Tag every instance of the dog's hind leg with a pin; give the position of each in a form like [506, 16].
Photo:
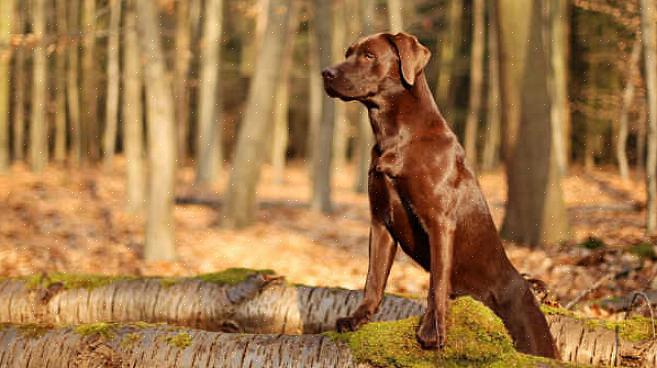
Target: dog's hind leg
[515, 304]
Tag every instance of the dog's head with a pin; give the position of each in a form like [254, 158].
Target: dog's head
[376, 64]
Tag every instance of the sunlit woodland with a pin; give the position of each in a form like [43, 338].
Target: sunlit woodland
[176, 186]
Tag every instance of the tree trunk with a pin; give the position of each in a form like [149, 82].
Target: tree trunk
[167, 347]
[39, 126]
[560, 112]
[6, 14]
[240, 199]
[251, 302]
[535, 211]
[395, 16]
[650, 56]
[513, 50]
[89, 127]
[113, 78]
[18, 122]
[341, 135]
[208, 143]
[321, 177]
[365, 136]
[182, 64]
[133, 113]
[491, 151]
[626, 104]
[160, 241]
[449, 46]
[476, 82]
[282, 105]
[60, 82]
[72, 82]
[315, 94]
[641, 139]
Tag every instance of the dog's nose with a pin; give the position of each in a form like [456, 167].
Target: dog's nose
[329, 73]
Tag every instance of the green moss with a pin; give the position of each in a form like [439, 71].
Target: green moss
[33, 330]
[633, 329]
[181, 340]
[103, 329]
[72, 281]
[231, 276]
[552, 311]
[592, 243]
[476, 338]
[643, 250]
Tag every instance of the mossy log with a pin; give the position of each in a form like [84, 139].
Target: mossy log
[247, 301]
[476, 338]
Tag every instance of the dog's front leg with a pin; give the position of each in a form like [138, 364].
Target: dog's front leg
[431, 333]
[381, 255]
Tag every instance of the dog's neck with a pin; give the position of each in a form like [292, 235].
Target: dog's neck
[404, 113]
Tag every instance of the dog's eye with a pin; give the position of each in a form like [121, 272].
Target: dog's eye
[370, 56]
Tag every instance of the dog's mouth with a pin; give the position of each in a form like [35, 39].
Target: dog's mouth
[334, 93]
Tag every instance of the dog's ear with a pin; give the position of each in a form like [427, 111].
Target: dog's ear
[413, 56]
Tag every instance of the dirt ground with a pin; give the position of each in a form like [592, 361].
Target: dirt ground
[74, 221]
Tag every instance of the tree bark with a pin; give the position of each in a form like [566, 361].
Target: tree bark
[6, 14]
[626, 104]
[322, 167]
[513, 49]
[73, 83]
[89, 127]
[240, 199]
[18, 122]
[182, 69]
[133, 113]
[113, 79]
[166, 347]
[560, 111]
[476, 82]
[315, 92]
[60, 83]
[365, 136]
[282, 105]
[491, 152]
[39, 127]
[535, 211]
[258, 304]
[160, 241]
[208, 142]
[449, 47]
[341, 135]
[648, 35]
[395, 16]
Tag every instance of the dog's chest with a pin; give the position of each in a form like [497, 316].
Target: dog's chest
[389, 207]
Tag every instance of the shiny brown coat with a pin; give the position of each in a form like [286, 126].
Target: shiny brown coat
[424, 197]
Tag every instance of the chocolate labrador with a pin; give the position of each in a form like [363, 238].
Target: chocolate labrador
[424, 197]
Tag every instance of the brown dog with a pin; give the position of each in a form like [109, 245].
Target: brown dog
[424, 197]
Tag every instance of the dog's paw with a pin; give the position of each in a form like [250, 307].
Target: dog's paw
[349, 324]
[428, 336]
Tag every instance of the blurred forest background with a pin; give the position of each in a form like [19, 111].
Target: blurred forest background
[185, 136]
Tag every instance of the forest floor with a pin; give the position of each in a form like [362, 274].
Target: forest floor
[75, 221]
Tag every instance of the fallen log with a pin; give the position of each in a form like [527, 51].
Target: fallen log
[236, 300]
[476, 338]
[257, 302]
